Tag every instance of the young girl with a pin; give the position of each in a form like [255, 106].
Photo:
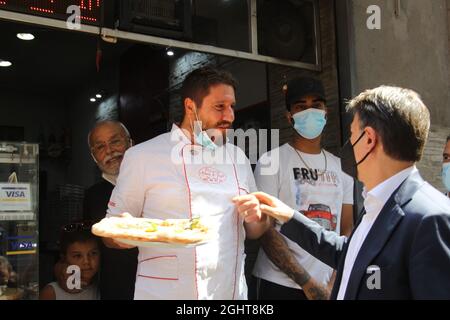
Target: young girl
[79, 247]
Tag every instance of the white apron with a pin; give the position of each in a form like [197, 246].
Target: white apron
[214, 270]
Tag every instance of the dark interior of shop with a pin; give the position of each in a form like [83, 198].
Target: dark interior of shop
[60, 84]
[68, 67]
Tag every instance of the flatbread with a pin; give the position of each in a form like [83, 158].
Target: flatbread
[180, 231]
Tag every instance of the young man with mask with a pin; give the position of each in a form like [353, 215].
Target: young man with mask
[400, 248]
[311, 180]
[108, 141]
[172, 177]
[446, 167]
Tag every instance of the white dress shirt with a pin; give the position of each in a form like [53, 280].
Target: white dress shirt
[110, 178]
[374, 201]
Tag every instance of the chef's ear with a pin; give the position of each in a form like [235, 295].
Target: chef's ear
[189, 106]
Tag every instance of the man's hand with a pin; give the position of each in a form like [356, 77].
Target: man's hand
[252, 205]
[112, 243]
[249, 208]
[255, 222]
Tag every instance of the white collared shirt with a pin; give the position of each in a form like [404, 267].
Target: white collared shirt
[110, 178]
[374, 201]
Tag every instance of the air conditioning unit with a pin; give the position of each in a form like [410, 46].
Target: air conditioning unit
[286, 29]
[163, 18]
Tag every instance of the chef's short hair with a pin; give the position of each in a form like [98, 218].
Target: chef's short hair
[448, 138]
[101, 123]
[196, 85]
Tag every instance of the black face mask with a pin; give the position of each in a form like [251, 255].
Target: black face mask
[348, 160]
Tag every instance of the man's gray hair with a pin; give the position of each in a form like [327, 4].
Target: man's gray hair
[102, 123]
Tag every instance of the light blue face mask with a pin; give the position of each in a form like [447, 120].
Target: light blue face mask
[205, 141]
[310, 123]
[446, 175]
[202, 138]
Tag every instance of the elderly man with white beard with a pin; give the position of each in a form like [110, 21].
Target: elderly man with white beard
[108, 141]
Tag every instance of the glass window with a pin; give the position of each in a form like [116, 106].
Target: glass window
[221, 23]
[286, 29]
[18, 221]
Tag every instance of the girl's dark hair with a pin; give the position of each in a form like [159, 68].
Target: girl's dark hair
[70, 234]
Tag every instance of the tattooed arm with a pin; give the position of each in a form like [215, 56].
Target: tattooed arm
[331, 282]
[279, 253]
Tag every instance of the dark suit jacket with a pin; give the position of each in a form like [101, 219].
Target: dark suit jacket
[117, 267]
[409, 243]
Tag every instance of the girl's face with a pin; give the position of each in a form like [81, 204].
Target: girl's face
[86, 256]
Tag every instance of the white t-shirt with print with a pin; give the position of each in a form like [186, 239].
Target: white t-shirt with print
[302, 187]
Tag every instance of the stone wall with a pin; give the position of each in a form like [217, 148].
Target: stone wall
[410, 50]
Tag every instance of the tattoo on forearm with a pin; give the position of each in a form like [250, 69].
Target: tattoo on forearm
[279, 253]
[317, 293]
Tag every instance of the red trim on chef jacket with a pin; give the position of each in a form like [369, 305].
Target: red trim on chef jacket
[237, 233]
[190, 217]
[153, 277]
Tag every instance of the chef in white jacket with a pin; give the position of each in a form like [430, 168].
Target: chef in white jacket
[191, 172]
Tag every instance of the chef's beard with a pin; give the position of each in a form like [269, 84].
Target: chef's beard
[217, 135]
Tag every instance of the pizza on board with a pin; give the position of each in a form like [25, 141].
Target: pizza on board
[180, 231]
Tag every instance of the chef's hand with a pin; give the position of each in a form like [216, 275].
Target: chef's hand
[248, 208]
[114, 244]
[273, 207]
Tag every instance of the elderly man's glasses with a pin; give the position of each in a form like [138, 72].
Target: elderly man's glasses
[113, 144]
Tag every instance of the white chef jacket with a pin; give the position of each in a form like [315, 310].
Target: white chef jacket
[156, 181]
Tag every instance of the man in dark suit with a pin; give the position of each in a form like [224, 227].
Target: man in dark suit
[108, 141]
[400, 247]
